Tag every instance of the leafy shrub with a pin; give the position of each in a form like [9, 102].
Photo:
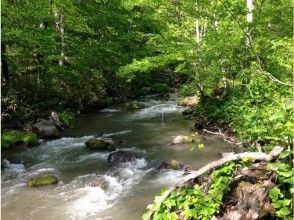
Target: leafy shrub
[30, 139]
[67, 117]
[160, 88]
[281, 199]
[188, 90]
[193, 202]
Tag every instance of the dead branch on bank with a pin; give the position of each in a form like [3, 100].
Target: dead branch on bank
[215, 164]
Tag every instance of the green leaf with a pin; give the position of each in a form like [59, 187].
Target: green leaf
[283, 212]
[274, 193]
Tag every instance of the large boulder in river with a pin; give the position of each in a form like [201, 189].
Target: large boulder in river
[118, 157]
[103, 144]
[134, 105]
[45, 129]
[42, 180]
[191, 101]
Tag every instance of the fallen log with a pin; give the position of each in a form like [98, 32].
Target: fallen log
[213, 165]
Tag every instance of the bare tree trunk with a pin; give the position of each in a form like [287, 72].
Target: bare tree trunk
[60, 28]
[197, 29]
[61, 61]
[197, 25]
[4, 63]
[250, 8]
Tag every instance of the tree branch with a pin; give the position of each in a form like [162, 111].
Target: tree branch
[215, 164]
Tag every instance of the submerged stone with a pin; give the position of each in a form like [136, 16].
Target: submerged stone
[103, 144]
[172, 165]
[120, 156]
[42, 180]
[134, 105]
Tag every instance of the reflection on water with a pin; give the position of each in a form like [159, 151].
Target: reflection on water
[127, 189]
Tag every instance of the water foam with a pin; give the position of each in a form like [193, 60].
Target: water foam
[168, 177]
[11, 167]
[158, 109]
[110, 110]
[116, 133]
[96, 155]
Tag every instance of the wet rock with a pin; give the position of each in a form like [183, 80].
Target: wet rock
[188, 111]
[99, 183]
[134, 105]
[172, 165]
[118, 157]
[54, 119]
[180, 139]
[45, 129]
[15, 159]
[191, 101]
[6, 162]
[103, 144]
[42, 180]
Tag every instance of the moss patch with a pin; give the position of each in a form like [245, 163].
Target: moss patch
[101, 144]
[12, 138]
[30, 139]
[42, 180]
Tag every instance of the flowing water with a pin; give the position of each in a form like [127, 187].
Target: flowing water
[130, 188]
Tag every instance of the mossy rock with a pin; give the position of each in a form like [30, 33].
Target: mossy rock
[11, 138]
[42, 180]
[134, 105]
[103, 144]
[172, 165]
[191, 101]
[30, 139]
[188, 111]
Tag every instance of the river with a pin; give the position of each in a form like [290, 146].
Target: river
[131, 187]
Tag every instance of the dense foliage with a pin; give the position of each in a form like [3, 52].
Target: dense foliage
[65, 54]
[68, 55]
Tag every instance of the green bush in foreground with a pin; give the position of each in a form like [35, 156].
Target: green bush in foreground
[193, 202]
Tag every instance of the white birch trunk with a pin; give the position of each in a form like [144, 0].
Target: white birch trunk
[197, 31]
[250, 8]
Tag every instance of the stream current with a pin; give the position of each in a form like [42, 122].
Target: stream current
[130, 188]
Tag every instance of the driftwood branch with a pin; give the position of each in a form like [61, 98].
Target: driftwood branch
[215, 164]
[225, 137]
